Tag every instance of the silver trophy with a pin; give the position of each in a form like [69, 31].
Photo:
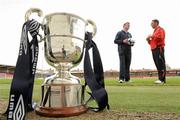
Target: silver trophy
[64, 33]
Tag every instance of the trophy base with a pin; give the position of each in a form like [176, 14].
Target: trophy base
[61, 112]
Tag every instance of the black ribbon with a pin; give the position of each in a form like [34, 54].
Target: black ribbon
[20, 99]
[94, 77]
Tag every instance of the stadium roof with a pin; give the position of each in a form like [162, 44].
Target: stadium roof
[6, 67]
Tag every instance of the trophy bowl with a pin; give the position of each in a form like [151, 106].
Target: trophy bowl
[62, 93]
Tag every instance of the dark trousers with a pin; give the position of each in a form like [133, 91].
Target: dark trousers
[159, 60]
[125, 61]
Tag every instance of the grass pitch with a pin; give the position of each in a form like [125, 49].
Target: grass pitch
[141, 95]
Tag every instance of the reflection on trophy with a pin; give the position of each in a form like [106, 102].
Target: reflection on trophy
[62, 93]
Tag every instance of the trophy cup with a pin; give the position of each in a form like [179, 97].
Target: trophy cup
[62, 93]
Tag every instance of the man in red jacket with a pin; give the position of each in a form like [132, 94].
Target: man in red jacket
[157, 43]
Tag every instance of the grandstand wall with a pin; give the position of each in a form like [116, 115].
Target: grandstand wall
[6, 72]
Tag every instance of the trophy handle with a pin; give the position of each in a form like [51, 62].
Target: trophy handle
[40, 14]
[33, 10]
[93, 25]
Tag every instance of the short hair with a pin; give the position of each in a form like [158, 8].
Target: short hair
[156, 21]
[126, 23]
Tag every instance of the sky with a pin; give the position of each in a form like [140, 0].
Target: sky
[109, 16]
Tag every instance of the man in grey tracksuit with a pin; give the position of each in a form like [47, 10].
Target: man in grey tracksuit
[124, 49]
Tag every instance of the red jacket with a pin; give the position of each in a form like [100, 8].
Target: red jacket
[158, 38]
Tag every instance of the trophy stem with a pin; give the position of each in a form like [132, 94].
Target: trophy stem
[63, 72]
[64, 75]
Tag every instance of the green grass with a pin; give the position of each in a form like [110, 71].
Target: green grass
[142, 95]
[145, 98]
[171, 81]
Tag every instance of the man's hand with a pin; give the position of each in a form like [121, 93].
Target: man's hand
[149, 37]
[126, 41]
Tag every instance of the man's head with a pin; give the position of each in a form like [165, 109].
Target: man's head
[126, 26]
[154, 23]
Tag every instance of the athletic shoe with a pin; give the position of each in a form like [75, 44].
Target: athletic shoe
[158, 82]
[121, 81]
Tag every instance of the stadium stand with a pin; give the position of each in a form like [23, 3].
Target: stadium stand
[6, 71]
